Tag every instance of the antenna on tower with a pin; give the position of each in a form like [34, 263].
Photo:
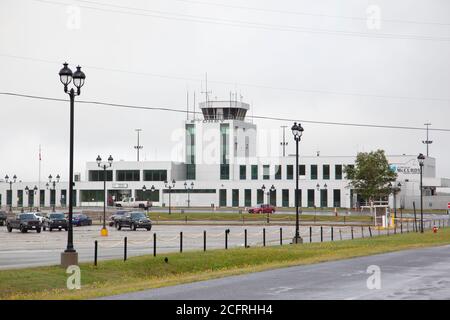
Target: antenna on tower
[194, 107]
[187, 105]
[138, 146]
[206, 92]
[428, 141]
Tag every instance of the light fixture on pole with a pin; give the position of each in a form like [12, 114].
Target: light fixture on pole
[297, 131]
[189, 189]
[11, 182]
[29, 192]
[170, 187]
[395, 189]
[70, 257]
[421, 159]
[144, 190]
[104, 166]
[53, 183]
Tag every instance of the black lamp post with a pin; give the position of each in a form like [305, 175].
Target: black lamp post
[297, 131]
[189, 191]
[144, 189]
[104, 166]
[53, 183]
[170, 187]
[272, 189]
[10, 188]
[70, 256]
[421, 159]
[28, 192]
[395, 189]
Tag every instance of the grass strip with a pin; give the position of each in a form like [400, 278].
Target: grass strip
[145, 272]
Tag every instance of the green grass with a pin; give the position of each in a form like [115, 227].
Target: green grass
[247, 217]
[139, 273]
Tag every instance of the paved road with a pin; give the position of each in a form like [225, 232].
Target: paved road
[410, 274]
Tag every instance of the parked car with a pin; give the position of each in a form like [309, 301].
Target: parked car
[117, 215]
[134, 220]
[38, 216]
[262, 208]
[79, 219]
[24, 222]
[132, 203]
[3, 217]
[55, 220]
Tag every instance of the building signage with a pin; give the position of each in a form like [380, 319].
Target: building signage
[404, 169]
[120, 185]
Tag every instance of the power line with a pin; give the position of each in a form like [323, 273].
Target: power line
[309, 13]
[240, 23]
[181, 110]
[241, 84]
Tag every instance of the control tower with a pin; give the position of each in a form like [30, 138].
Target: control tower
[219, 141]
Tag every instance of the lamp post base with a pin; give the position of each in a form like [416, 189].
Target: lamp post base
[69, 259]
[104, 232]
[297, 240]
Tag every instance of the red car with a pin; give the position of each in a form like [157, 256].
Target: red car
[262, 208]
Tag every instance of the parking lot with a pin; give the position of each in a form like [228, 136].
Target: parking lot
[19, 250]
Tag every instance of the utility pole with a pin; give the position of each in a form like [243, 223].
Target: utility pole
[138, 146]
[284, 143]
[427, 142]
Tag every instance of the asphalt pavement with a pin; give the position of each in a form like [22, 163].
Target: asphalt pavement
[409, 274]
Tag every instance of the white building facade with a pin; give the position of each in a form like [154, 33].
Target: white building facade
[221, 161]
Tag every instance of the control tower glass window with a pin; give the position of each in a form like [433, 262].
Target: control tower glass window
[224, 151]
[190, 151]
[224, 110]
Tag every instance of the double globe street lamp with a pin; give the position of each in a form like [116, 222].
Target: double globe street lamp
[104, 166]
[14, 178]
[170, 186]
[395, 190]
[297, 131]
[31, 192]
[189, 189]
[70, 256]
[272, 189]
[144, 189]
[53, 183]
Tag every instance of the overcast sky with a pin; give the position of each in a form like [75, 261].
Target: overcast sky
[310, 60]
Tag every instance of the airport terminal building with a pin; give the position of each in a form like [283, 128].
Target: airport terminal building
[221, 168]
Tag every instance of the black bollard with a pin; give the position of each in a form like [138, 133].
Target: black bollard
[204, 240]
[281, 236]
[245, 238]
[226, 238]
[310, 234]
[181, 241]
[264, 237]
[154, 244]
[125, 249]
[95, 252]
